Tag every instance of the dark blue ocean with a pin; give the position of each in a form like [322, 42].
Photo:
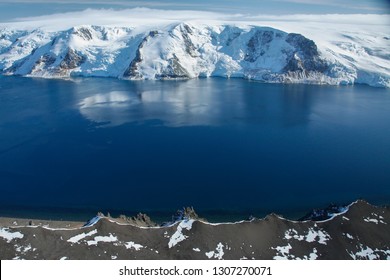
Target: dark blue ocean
[226, 147]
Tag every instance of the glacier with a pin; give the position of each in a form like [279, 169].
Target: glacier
[148, 44]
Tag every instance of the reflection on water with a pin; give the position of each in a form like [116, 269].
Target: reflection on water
[111, 109]
[174, 104]
[198, 103]
[210, 143]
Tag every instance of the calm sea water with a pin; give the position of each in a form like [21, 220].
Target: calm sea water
[222, 146]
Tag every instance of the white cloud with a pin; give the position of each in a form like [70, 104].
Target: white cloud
[137, 16]
[355, 4]
[369, 19]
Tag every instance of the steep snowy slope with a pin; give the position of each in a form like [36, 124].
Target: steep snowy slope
[292, 52]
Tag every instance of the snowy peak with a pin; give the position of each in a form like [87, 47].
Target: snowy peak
[189, 50]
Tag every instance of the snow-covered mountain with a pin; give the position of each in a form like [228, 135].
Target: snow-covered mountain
[199, 48]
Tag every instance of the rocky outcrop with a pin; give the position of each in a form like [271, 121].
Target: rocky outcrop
[71, 60]
[186, 33]
[259, 44]
[185, 214]
[305, 56]
[43, 62]
[174, 70]
[83, 32]
[132, 71]
[141, 220]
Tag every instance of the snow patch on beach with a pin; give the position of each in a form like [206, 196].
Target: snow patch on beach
[178, 236]
[375, 218]
[9, 236]
[97, 239]
[133, 245]
[282, 252]
[348, 235]
[292, 233]
[217, 253]
[23, 249]
[367, 253]
[77, 238]
[312, 256]
[312, 235]
[319, 236]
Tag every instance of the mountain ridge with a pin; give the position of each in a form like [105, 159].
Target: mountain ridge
[184, 50]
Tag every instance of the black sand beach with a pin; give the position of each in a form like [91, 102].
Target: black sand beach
[359, 231]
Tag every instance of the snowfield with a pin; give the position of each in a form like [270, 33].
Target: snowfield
[155, 44]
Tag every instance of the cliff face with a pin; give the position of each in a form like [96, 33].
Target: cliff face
[182, 50]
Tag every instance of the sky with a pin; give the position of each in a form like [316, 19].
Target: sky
[14, 9]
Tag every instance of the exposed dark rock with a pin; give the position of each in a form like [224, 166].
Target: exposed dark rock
[232, 38]
[306, 46]
[305, 56]
[44, 61]
[141, 219]
[186, 213]
[71, 60]
[258, 44]
[84, 33]
[186, 31]
[14, 68]
[174, 70]
[132, 71]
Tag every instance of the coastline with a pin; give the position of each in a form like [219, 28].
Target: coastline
[358, 231]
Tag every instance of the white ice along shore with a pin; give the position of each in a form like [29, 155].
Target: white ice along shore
[152, 44]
